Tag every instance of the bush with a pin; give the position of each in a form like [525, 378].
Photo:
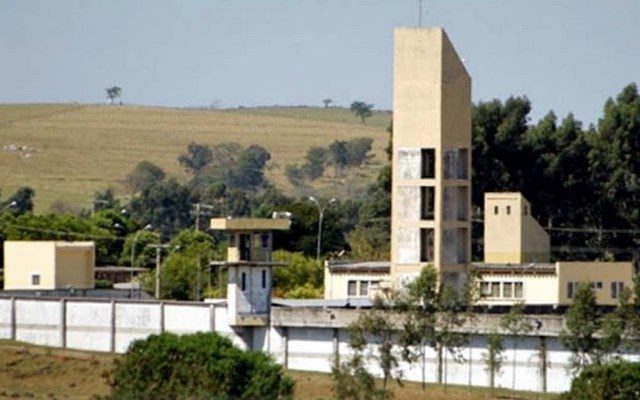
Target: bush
[104, 284]
[617, 381]
[198, 366]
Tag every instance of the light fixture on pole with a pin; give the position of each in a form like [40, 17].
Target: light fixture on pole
[10, 205]
[321, 208]
[147, 227]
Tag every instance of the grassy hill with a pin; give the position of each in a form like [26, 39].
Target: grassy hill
[67, 152]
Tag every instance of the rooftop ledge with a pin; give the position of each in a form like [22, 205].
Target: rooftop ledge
[250, 224]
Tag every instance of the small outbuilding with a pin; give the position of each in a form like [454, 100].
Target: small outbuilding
[47, 265]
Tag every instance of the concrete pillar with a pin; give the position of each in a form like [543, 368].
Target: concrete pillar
[285, 343]
[12, 320]
[543, 363]
[212, 318]
[162, 317]
[63, 323]
[336, 347]
[112, 328]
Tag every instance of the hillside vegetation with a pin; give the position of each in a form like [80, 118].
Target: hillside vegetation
[67, 152]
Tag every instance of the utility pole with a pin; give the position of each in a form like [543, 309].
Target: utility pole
[158, 248]
[199, 211]
[321, 208]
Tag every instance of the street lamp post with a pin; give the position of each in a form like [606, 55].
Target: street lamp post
[148, 227]
[321, 208]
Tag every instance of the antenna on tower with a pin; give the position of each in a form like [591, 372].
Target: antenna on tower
[420, 13]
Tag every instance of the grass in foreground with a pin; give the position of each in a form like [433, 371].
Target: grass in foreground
[34, 372]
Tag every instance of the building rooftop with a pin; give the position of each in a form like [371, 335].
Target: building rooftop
[250, 224]
[380, 267]
[324, 303]
[528, 268]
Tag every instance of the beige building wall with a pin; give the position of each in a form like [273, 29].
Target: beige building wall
[55, 264]
[511, 234]
[602, 274]
[608, 279]
[336, 284]
[431, 113]
[536, 289]
[75, 265]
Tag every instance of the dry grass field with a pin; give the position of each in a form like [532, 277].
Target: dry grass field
[67, 152]
[33, 372]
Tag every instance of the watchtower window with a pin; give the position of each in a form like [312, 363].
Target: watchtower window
[427, 202]
[426, 245]
[35, 279]
[508, 210]
[428, 163]
[495, 210]
[243, 281]
[245, 247]
[264, 279]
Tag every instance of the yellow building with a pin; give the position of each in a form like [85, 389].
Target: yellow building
[511, 234]
[516, 264]
[249, 265]
[48, 265]
[551, 284]
[346, 279]
[431, 187]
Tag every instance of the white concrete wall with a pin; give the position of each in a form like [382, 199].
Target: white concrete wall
[5, 318]
[38, 322]
[88, 326]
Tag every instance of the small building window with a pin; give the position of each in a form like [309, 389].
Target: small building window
[616, 289]
[243, 281]
[518, 290]
[507, 290]
[571, 289]
[264, 240]
[495, 289]
[427, 246]
[508, 210]
[485, 289]
[364, 288]
[351, 288]
[373, 286]
[525, 210]
[495, 210]
[428, 163]
[35, 279]
[427, 202]
[232, 240]
[264, 279]
[599, 285]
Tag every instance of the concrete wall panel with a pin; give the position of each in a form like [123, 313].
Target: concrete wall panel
[88, 326]
[310, 349]
[38, 322]
[135, 321]
[183, 319]
[5, 318]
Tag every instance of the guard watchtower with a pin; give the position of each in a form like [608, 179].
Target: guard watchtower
[250, 266]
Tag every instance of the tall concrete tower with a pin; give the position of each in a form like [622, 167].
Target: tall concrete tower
[431, 193]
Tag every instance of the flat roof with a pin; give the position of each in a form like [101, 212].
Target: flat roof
[363, 302]
[250, 224]
[528, 268]
[57, 243]
[379, 267]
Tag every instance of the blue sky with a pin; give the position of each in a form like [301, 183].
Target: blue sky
[568, 56]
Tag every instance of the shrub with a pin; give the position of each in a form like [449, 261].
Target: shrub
[617, 381]
[104, 284]
[198, 366]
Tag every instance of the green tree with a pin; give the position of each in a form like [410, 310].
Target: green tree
[373, 335]
[144, 175]
[582, 321]
[196, 158]
[361, 109]
[494, 357]
[358, 151]
[516, 325]
[327, 102]
[113, 93]
[302, 277]
[20, 202]
[165, 205]
[616, 381]
[196, 366]
[339, 156]
[315, 163]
